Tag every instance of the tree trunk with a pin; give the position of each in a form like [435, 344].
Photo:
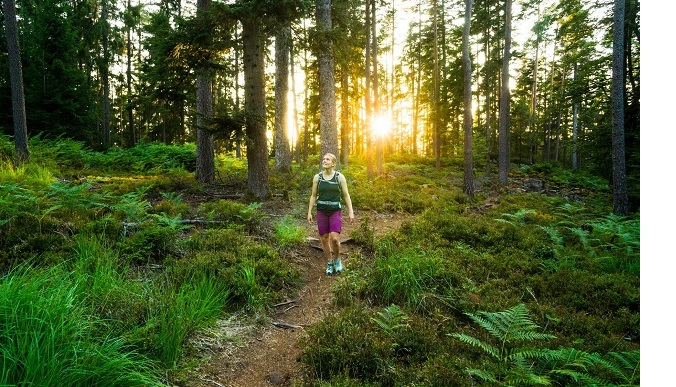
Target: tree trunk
[533, 103]
[205, 169]
[575, 113]
[488, 100]
[296, 124]
[21, 154]
[238, 141]
[130, 109]
[254, 106]
[282, 152]
[418, 80]
[503, 129]
[345, 117]
[620, 196]
[368, 116]
[327, 83]
[376, 95]
[467, 117]
[435, 99]
[106, 82]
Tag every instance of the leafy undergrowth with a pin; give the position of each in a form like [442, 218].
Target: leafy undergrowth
[554, 284]
[124, 242]
[127, 270]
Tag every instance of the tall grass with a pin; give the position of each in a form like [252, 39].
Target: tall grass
[49, 336]
[409, 277]
[183, 311]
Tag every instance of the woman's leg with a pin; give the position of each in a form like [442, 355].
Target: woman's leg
[323, 227]
[326, 245]
[334, 238]
[336, 227]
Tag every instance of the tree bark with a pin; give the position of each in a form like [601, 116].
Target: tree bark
[368, 114]
[376, 95]
[130, 109]
[620, 196]
[575, 113]
[282, 151]
[435, 98]
[345, 117]
[488, 97]
[503, 129]
[327, 83]
[21, 154]
[254, 106]
[467, 102]
[205, 169]
[106, 82]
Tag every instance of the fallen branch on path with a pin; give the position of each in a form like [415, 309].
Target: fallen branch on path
[346, 240]
[285, 325]
[318, 247]
[289, 308]
[285, 303]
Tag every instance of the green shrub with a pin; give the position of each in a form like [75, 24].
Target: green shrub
[231, 213]
[288, 232]
[254, 272]
[150, 243]
[348, 344]
[365, 234]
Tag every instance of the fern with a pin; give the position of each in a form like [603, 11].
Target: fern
[509, 326]
[625, 366]
[523, 365]
[391, 319]
[518, 217]
[554, 235]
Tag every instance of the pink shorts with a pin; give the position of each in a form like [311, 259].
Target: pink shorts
[331, 222]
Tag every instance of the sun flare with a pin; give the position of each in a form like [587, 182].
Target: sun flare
[382, 125]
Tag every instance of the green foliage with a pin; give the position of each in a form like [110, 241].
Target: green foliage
[391, 319]
[254, 272]
[288, 232]
[509, 328]
[133, 206]
[50, 336]
[365, 233]
[556, 174]
[383, 346]
[344, 344]
[412, 277]
[149, 242]
[134, 265]
[183, 310]
[151, 157]
[399, 190]
[232, 213]
[512, 364]
[612, 241]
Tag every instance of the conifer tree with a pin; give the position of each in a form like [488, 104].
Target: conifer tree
[16, 79]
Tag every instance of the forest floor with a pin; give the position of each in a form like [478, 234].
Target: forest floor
[269, 354]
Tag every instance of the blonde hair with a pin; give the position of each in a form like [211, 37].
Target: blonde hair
[332, 157]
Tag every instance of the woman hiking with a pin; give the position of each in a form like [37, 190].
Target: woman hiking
[327, 188]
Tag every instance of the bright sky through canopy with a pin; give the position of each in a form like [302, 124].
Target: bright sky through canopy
[382, 125]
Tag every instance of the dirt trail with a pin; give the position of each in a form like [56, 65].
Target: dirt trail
[269, 355]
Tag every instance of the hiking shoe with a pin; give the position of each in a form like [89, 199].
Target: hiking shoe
[337, 266]
[329, 268]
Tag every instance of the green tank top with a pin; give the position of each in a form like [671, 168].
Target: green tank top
[328, 193]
